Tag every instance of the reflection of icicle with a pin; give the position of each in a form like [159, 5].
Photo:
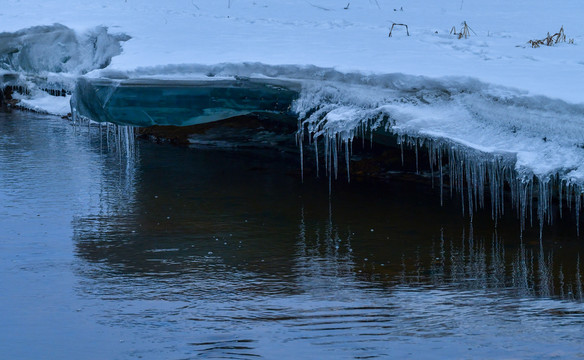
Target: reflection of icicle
[322, 263]
[471, 266]
[520, 273]
[497, 268]
[116, 143]
[562, 283]
[436, 268]
[579, 293]
[403, 271]
[545, 278]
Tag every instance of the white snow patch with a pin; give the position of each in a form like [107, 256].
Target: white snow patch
[45, 103]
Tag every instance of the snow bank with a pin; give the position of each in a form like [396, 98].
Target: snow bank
[58, 49]
[325, 34]
[41, 59]
[45, 103]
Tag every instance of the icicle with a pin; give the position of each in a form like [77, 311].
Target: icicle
[334, 148]
[460, 185]
[469, 185]
[441, 178]
[521, 205]
[579, 289]
[328, 163]
[569, 196]
[431, 161]
[560, 191]
[401, 145]
[316, 156]
[494, 202]
[301, 161]
[577, 206]
[363, 134]
[347, 156]
[530, 190]
[502, 192]
[542, 204]
[416, 146]
[454, 163]
[326, 156]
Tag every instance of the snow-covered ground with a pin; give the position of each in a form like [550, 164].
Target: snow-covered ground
[323, 33]
[490, 91]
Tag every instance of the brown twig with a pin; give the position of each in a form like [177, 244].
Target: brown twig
[464, 32]
[394, 24]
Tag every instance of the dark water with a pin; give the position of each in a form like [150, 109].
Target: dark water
[191, 253]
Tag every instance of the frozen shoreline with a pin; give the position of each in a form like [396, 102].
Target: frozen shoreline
[490, 93]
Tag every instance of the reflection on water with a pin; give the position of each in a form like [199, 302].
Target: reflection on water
[187, 253]
[214, 211]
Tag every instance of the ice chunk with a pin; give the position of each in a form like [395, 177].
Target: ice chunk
[180, 103]
[58, 49]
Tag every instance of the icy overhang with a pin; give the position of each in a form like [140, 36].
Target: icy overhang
[147, 102]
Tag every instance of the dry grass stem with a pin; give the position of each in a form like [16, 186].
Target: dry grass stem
[464, 32]
[551, 40]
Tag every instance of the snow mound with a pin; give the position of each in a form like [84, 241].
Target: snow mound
[58, 49]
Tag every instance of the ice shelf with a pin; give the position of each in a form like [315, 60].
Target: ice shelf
[179, 102]
[490, 145]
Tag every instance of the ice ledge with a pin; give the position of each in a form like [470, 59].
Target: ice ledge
[477, 127]
[546, 135]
